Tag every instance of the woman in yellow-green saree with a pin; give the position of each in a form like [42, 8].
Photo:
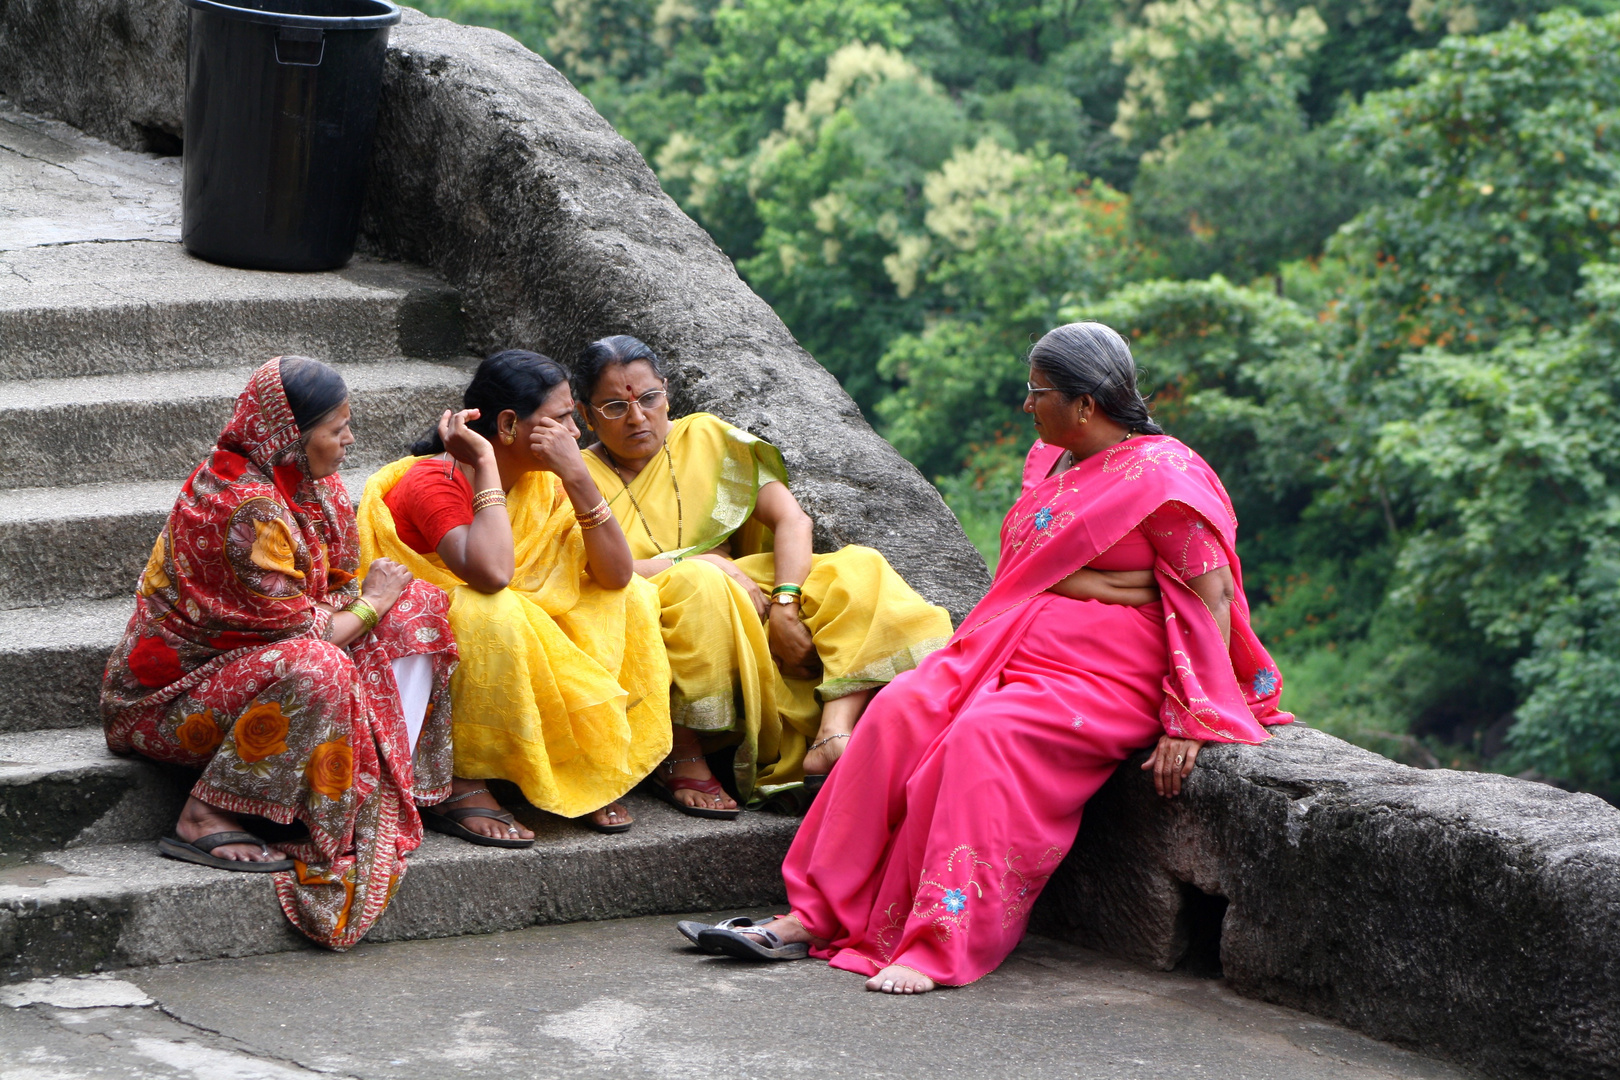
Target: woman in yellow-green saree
[771, 648]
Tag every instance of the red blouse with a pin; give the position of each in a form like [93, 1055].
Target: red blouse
[1175, 531]
[431, 499]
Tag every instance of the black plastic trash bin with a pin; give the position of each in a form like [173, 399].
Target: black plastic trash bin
[281, 102]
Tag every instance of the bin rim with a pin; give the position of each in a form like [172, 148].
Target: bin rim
[388, 17]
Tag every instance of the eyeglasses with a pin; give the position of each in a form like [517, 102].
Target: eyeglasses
[1038, 389]
[651, 401]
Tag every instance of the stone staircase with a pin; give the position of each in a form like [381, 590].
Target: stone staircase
[120, 358]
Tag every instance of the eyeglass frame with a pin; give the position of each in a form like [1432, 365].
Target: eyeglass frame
[1033, 389]
[639, 403]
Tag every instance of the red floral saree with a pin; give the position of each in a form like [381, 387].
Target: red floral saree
[223, 667]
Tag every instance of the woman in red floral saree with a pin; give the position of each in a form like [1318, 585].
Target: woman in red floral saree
[256, 656]
[1116, 621]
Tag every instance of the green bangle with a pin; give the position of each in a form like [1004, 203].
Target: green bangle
[788, 588]
[365, 613]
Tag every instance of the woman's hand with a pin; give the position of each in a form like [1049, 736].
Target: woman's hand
[463, 443]
[385, 580]
[556, 449]
[1170, 763]
[790, 643]
[762, 603]
[1133, 588]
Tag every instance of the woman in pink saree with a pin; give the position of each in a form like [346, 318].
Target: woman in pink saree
[1116, 622]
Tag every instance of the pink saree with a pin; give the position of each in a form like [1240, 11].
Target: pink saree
[979, 762]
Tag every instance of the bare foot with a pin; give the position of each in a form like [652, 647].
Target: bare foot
[612, 814]
[838, 718]
[198, 819]
[686, 761]
[483, 826]
[899, 979]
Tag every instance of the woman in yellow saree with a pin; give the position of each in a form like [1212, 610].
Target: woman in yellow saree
[771, 648]
[563, 683]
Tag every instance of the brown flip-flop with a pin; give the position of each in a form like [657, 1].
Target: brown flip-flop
[201, 852]
[449, 823]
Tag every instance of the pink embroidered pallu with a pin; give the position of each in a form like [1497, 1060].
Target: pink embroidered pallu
[963, 786]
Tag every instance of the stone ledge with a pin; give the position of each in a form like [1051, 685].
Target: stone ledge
[1472, 915]
[122, 905]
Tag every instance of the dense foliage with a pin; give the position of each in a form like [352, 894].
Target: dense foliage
[1366, 252]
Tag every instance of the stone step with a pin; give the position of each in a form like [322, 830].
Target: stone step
[66, 789]
[51, 660]
[141, 306]
[87, 542]
[118, 428]
[119, 905]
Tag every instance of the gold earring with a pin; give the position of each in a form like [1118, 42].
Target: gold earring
[1085, 419]
[508, 437]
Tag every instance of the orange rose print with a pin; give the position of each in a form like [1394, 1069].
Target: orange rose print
[330, 769]
[261, 732]
[274, 549]
[198, 734]
[153, 577]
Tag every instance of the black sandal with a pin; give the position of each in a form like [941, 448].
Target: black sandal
[449, 822]
[623, 826]
[201, 852]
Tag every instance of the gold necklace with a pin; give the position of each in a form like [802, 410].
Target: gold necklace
[680, 513]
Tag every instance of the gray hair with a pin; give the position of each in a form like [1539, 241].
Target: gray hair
[1089, 358]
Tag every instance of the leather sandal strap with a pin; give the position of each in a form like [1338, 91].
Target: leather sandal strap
[208, 843]
[462, 813]
[709, 786]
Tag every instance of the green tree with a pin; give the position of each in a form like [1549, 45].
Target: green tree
[1502, 168]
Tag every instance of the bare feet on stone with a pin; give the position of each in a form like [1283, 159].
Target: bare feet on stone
[198, 819]
[483, 826]
[899, 979]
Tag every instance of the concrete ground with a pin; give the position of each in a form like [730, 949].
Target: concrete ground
[630, 999]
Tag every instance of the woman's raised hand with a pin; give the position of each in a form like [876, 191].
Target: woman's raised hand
[463, 443]
[556, 448]
[1170, 763]
[385, 580]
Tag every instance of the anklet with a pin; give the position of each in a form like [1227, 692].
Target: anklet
[824, 742]
[465, 795]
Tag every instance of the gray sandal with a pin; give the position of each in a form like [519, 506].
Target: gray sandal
[757, 943]
[691, 928]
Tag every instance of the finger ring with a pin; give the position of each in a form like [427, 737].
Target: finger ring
[1178, 759]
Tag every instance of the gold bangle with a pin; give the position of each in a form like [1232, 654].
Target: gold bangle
[487, 498]
[365, 613]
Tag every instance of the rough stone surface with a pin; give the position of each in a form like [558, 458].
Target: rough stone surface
[113, 68]
[65, 789]
[51, 660]
[119, 905]
[1471, 914]
[627, 1000]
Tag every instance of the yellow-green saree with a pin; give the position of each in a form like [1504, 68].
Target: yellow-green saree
[867, 624]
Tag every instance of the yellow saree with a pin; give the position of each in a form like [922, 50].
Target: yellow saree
[867, 624]
[563, 685]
